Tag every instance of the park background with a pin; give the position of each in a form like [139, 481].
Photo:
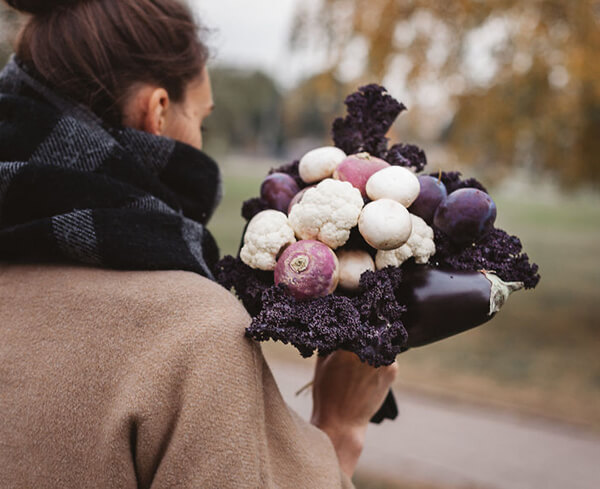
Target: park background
[506, 91]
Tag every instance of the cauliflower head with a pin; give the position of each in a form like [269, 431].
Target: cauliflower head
[420, 245]
[327, 212]
[267, 234]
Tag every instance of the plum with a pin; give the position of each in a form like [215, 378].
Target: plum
[432, 193]
[278, 190]
[357, 169]
[308, 269]
[465, 215]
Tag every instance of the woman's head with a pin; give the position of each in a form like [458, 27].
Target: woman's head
[137, 62]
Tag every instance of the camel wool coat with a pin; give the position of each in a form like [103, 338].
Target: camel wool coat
[113, 379]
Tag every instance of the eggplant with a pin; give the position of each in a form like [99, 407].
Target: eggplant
[441, 303]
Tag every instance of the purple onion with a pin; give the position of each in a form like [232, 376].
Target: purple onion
[308, 269]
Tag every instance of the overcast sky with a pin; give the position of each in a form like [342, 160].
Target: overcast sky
[254, 34]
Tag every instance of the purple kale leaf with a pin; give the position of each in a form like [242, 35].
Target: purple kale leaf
[453, 182]
[407, 155]
[495, 251]
[368, 324]
[324, 324]
[251, 207]
[381, 314]
[371, 113]
[249, 284]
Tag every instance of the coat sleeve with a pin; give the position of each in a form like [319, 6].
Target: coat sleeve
[213, 417]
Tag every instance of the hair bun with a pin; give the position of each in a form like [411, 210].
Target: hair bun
[36, 7]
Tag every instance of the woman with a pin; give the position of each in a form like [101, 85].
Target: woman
[122, 364]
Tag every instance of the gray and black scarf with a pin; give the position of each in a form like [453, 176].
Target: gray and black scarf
[75, 190]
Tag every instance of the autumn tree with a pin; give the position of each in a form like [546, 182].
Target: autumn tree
[520, 80]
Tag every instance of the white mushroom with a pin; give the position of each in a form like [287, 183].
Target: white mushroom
[420, 245]
[385, 224]
[320, 163]
[396, 183]
[352, 264]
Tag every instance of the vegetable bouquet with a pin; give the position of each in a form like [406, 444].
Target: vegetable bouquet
[356, 247]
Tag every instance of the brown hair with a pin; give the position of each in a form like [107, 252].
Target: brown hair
[94, 51]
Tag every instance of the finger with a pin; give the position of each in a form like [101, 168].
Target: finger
[390, 372]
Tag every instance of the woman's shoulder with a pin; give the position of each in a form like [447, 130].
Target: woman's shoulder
[157, 299]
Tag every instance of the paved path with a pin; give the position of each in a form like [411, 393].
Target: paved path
[466, 446]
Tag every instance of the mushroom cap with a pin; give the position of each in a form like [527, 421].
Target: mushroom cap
[385, 224]
[395, 183]
[320, 163]
[352, 264]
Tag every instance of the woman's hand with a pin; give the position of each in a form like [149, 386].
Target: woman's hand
[346, 395]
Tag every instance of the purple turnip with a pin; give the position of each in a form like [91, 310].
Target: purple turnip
[358, 168]
[308, 269]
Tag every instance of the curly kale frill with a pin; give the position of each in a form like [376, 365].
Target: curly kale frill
[453, 182]
[248, 283]
[381, 315]
[323, 324]
[251, 207]
[407, 155]
[496, 251]
[369, 324]
[371, 113]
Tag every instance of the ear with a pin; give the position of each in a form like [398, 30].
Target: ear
[156, 106]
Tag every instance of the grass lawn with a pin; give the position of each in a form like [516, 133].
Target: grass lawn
[541, 354]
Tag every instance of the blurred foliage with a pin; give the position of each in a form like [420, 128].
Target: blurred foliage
[308, 109]
[248, 112]
[521, 79]
[8, 29]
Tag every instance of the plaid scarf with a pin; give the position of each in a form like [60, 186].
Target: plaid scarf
[74, 190]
